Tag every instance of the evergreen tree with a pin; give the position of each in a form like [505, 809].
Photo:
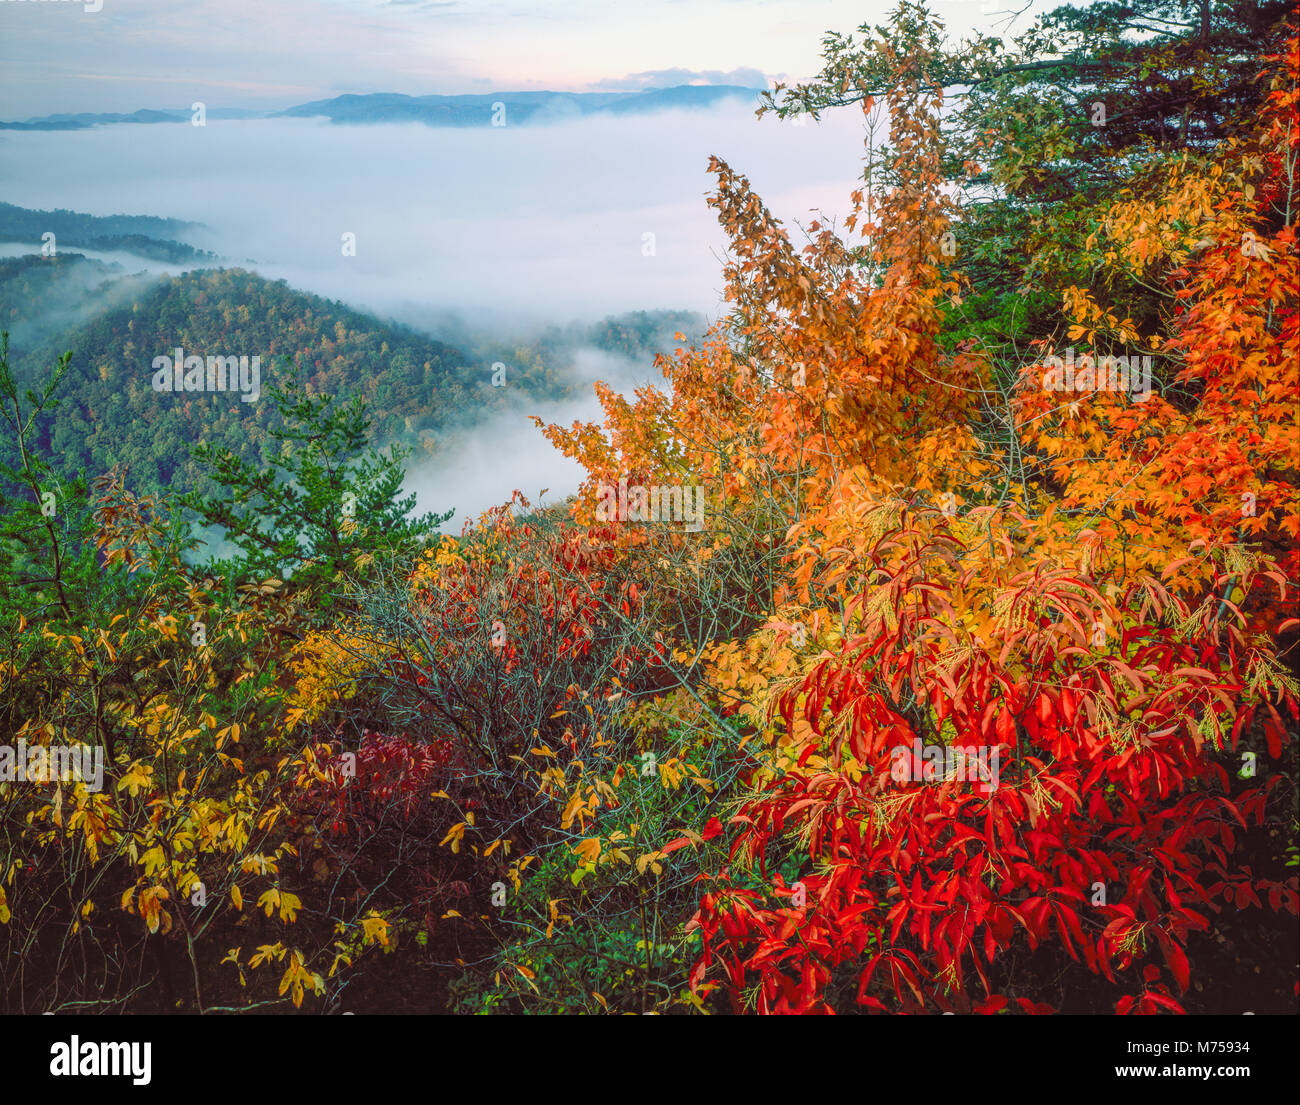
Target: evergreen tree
[327, 505]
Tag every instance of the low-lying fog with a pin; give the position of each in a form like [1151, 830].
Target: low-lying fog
[507, 227]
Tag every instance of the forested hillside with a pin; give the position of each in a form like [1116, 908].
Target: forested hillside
[111, 415]
[44, 299]
[413, 385]
[925, 643]
[143, 235]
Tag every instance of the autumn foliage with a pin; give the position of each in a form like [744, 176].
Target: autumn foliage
[1095, 587]
[569, 763]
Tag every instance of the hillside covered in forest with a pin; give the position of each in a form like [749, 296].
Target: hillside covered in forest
[143, 235]
[414, 386]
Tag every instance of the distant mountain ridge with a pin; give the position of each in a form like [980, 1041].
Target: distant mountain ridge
[465, 110]
[82, 119]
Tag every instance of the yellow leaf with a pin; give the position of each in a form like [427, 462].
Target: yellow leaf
[588, 850]
[455, 834]
[375, 929]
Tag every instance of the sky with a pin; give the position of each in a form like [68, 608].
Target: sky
[122, 55]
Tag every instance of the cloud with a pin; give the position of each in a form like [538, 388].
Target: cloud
[508, 227]
[521, 220]
[742, 76]
[483, 461]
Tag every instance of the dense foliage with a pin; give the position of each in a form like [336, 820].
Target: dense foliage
[927, 643]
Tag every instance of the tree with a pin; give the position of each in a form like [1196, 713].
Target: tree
[1042, 634]
[328, 503]
[48, 566]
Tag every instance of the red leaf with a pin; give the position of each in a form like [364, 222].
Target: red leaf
[1177, 960]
